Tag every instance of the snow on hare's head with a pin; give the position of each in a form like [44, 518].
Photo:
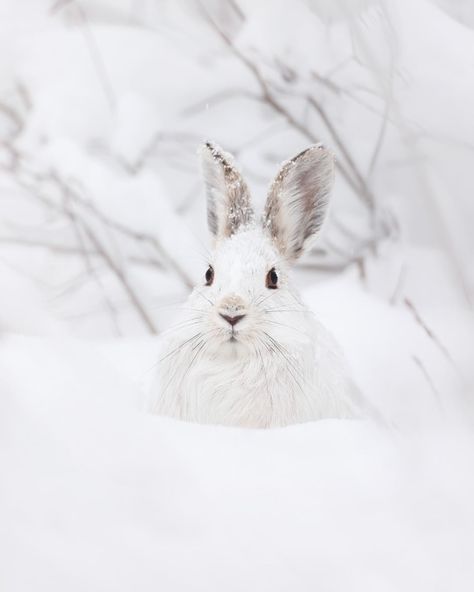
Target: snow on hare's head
[247, 278]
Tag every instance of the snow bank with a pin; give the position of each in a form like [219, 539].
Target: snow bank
[98, 495]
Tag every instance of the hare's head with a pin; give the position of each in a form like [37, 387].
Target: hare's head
[245, 294]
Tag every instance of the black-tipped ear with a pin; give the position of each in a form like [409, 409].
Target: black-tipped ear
[297, 200]
[228, 197]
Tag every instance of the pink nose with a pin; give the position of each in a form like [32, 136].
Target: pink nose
[232, 320]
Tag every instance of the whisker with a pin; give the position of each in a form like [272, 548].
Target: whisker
[177, 368]
[302, 311]
[173, 352]
[180, 346]
[205, 297]
[262, 299]
[199, 348]
[270, 322]
[285, 355]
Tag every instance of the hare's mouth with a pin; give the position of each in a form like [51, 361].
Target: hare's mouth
[233, 337]
[232, 346]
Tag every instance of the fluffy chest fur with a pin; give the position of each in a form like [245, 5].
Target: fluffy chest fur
[261, 387]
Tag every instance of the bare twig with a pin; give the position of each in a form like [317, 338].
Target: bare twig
[53, 247]
[429, 380]
[239, 12]
[399, 285]
[270, 95]
[70, 199]
[123, 279]
[94, 50]
[416, 315]
[380, 139]
[363, 190]
[89, 206]
[351, 174]
[91, 270]
[13, 116]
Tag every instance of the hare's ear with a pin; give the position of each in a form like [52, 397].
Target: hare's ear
[228, 197]
[297, 200]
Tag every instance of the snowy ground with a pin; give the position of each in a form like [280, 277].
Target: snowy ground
[98, 495]
[102, 105]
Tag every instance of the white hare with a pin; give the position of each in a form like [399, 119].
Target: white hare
[248, 352]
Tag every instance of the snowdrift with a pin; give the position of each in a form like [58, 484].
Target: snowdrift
[98, 495]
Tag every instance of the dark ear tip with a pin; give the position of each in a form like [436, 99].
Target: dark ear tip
[210, 151]
[210, 148]
[207, 146]
[320, 147]
[325, 157]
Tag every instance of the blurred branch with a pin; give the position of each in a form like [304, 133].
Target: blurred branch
[67, 209]
[351, 174]
[362, 190]
[122, 277]
[428, 379]
[93, 47]
[54, 247]
[234, 4]
[71, 250]
[429, 332]
[14, 118]
[382, 225]
[380, 139]
[91, 270]
[124, 230]
[74, 207]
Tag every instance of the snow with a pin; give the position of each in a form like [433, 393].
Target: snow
[111, 100]
[98, 495]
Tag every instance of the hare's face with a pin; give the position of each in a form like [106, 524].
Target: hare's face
[244, 289]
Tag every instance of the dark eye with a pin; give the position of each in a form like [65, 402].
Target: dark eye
[209, 276]
[272, 279]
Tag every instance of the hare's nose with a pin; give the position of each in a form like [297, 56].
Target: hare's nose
[232, 320]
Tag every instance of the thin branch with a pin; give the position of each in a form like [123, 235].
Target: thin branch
[123, 279]
[429, 380]
[354, 179]
[53, 247]
[70, 197]
[92, 208]
[363, 190]
[91, 270]
[416, 315]
[335, 88]
[13, 116]
[93, 47]
[380, 139]
[239, 12]
[71, 250]
[399, 285]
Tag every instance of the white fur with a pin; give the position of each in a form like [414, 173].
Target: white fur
[277, 366]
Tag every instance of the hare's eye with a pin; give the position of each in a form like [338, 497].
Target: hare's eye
[209, 276]
[272, 279]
